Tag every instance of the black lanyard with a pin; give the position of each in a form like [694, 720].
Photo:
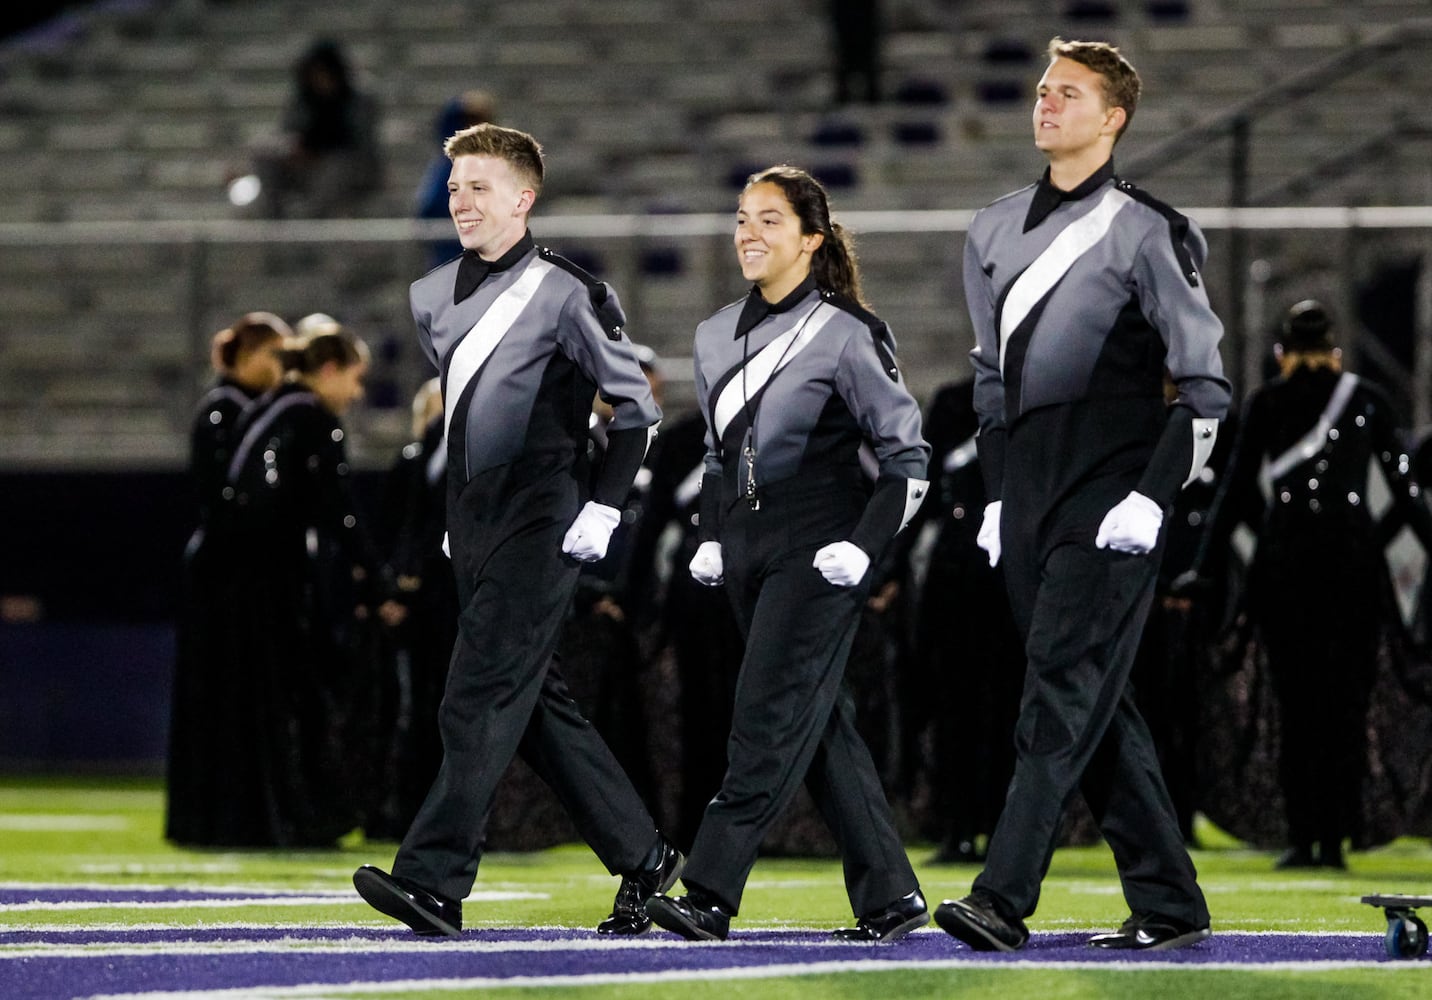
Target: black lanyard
[748, 451]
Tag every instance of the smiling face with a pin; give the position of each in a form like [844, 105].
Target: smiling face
[772, 250]
[488, 204]
[1073, 124]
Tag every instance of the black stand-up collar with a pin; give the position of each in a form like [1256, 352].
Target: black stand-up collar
[1047, 197]
[757, 308]
[472, 270]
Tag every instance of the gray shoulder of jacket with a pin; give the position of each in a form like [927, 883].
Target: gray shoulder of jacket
[1178, 228]
[880, 333]
[1014, 205]
[604, 302]
[427, 277]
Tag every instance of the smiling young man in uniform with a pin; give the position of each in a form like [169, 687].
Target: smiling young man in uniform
[523, 339]
[1084, 292]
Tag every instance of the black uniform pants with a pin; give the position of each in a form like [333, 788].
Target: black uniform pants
[1082, 611]
[505, 696]
[793, 718]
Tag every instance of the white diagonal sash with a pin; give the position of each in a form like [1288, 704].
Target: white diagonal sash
[475, 348]
[1312, 442]
[764, 366]
[1044, 273]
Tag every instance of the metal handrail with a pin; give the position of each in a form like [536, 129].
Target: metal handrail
[1277, 96]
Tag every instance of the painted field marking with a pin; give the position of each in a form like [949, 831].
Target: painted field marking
[66, 823]
[738, 973]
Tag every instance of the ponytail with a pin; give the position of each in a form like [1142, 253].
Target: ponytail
[834, 262]
[835, 265]
[303, 356]
[252, 331]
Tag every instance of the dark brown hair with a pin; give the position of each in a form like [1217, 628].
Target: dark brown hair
[306, 355]
[834, 263]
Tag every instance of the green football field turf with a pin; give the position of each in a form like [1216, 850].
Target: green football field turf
[106, 832]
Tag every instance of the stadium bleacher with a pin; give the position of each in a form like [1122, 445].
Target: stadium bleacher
[141, 110]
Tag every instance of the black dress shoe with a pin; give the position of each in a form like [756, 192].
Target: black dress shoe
[890, 924]
[425, 912]
[628, 914]
[977, 922]
[1151, 932]
[695, 916]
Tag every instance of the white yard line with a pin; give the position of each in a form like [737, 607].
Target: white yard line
[63, 822]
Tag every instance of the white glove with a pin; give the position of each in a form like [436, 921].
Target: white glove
[1132, 526]
[586, 540]
[988, 537]
[706, 566]
[842, 563]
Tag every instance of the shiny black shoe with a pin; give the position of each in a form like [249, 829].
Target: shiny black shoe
[906, 914]
[977, 922]
[695, 916]
[1151, 932]
[628, 914]
[426, 913]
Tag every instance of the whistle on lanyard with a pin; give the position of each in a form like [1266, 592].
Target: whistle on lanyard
[751, 497]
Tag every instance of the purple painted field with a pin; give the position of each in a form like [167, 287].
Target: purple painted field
[49, 963]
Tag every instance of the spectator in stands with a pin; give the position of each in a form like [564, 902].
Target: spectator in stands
[247, 358]
[326, 161]
[856, 39]
[471, 107]
[794, 380]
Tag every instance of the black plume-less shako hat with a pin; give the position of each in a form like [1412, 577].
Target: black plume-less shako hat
[1307, 327]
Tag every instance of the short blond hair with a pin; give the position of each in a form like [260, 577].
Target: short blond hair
[519, 150]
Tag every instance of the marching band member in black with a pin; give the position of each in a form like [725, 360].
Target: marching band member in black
[247, 358]
[297, 592]
[1317, 589]
[793, 380]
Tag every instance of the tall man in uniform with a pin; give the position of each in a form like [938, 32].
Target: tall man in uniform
[523, 339]
[1083, 290]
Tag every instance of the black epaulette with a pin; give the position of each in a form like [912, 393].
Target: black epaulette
[608, 311]
[879, 330]
[1177, 227]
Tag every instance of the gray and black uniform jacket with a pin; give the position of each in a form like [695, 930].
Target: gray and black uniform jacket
[523, 345]
[804, 382]
[1082, 302]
